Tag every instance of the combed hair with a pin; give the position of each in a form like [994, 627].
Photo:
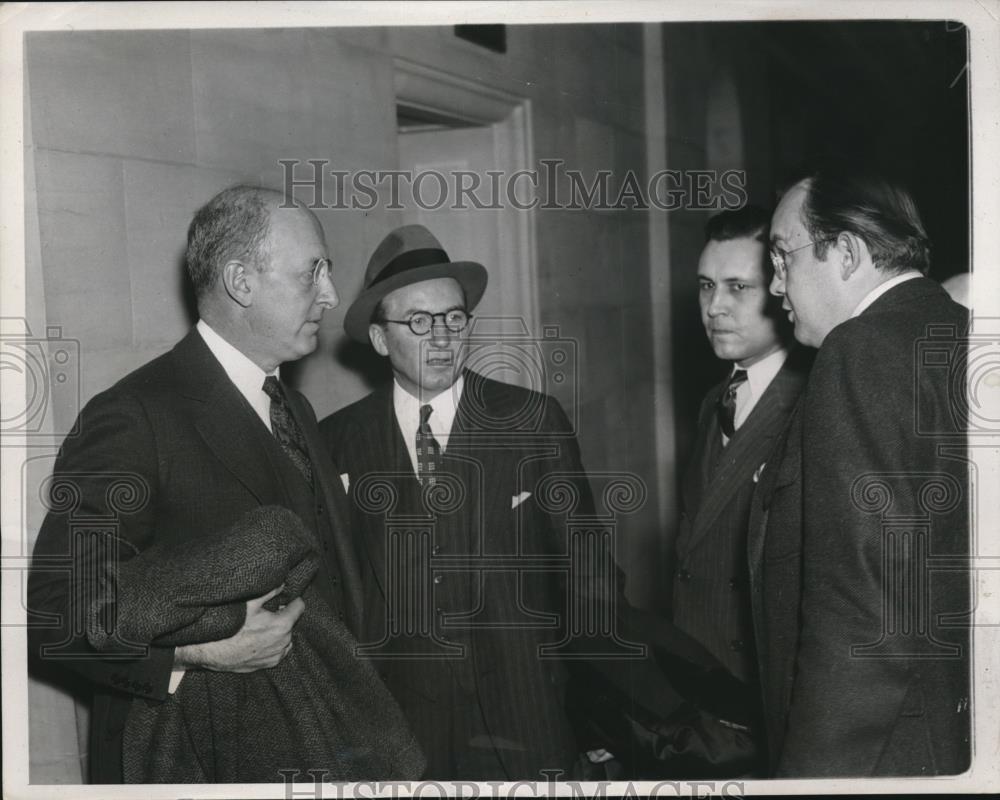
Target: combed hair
[233, 225]
[874, 208]
[742, 223]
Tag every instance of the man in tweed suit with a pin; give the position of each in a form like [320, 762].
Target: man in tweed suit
[863, 646]
[739, 421]
[187, 444]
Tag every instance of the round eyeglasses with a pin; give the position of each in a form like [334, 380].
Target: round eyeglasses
[421, 322]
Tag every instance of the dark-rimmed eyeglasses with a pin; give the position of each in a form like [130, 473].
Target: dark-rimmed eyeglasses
[779, 257]
[421, 322]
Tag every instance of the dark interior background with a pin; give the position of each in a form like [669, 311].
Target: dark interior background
[891, 94]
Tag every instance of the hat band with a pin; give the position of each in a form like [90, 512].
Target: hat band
[411, 259]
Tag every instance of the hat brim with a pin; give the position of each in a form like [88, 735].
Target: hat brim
[471, 276]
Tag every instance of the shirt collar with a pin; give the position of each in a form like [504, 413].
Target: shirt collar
[760, 374]
[247, 376]
[882, 288]
[445, 407]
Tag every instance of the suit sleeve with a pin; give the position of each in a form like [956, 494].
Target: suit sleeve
[101, 501]
[844, 704]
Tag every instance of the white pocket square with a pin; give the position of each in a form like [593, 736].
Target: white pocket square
[517, 500]
[346, 480]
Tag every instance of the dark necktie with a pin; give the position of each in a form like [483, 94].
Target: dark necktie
[726, 409]
[286, 430]
[428, 449]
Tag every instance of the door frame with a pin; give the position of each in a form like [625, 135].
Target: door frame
[509, 115]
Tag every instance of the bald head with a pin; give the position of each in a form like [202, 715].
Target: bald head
[232, 226]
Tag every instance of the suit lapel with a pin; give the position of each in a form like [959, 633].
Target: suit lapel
[382, 448]
[485, 458]
[707, 447]
[225, 420]
[747, 449]
[328, 485]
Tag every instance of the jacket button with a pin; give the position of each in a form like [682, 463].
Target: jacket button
[733, 583]
[736, 645]
[436, 549]
[439, 579]
[684, 575]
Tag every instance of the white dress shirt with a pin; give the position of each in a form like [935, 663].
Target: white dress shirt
[882, 288]
[245, 375]
[407, 408]
[759, 377]
[249, 379]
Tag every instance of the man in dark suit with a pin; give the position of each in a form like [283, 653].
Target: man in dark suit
[186, 444]
[469, 455]
[862, 636]
[739, 422]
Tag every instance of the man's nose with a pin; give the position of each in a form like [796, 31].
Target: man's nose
[717, 303]
[440, 335]
[328, 297]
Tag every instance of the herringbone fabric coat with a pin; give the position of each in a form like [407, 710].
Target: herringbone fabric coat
[170, 452]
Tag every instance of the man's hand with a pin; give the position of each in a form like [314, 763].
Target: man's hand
[264, 639]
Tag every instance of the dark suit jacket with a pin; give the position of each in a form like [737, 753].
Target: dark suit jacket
[864, 671]
[170, 451]
[711, 595]
[504, 440]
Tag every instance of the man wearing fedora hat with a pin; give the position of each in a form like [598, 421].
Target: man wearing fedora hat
[458, 481]
[470, 451]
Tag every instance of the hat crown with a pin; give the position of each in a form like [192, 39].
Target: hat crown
[399, 242]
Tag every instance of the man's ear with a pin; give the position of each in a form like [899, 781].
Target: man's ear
[852, 253]
[236, 279]
[377, 335]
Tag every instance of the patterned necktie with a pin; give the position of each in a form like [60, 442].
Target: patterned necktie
[286, 430]
[428, 449]
[726, 408]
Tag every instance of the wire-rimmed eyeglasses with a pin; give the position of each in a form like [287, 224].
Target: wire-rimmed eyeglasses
[421, 322]
[321, 270]
[779, 256]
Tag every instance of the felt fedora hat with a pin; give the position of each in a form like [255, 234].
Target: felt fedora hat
[409, 254]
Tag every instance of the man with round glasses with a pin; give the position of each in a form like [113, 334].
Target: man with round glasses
[482, 704]
[863, 646]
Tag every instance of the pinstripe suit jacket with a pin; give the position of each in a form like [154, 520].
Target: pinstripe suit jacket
[711, 600]
[504, 440]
